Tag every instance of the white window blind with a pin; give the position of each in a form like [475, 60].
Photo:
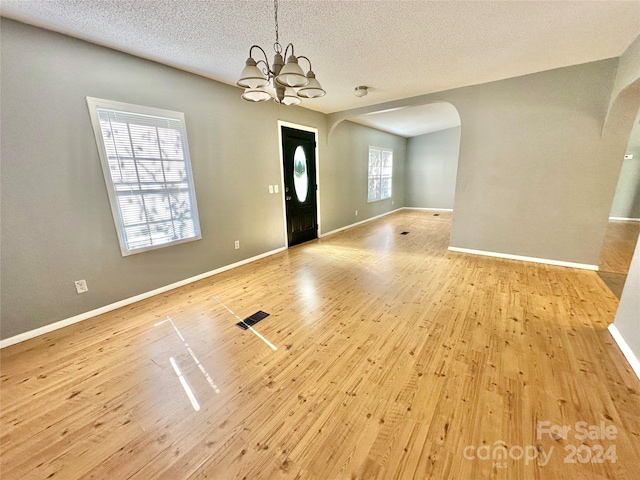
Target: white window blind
[146, 165]
[380, 174]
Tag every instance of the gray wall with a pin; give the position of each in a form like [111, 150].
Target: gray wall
[626, 203]
[432, 165]
[625, 103]
[56, 220]
[344, 181]
[531, 178]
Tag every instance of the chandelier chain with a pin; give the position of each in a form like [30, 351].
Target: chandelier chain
[275, 9]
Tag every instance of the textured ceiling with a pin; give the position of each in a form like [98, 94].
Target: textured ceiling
[412, 121]
[398, 48]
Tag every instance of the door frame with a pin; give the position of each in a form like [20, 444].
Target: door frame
[304, 128]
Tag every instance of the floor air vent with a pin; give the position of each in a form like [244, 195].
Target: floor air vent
[252, 320]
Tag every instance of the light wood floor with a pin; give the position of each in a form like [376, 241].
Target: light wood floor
[619, 244]
[396, 359]
[617, 252]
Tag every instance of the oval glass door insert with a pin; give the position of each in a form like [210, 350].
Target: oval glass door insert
[300, 177]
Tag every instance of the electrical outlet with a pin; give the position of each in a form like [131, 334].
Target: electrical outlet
[237, 244]
[356, 213]
[392, 202]
[270, 188]
[81, 286]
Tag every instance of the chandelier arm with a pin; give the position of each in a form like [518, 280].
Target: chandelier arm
[287, 49]
[302, 56]
[266, 59]
[266, 69]
[259, 48]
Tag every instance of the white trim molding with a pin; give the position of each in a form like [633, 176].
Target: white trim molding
[624, 219]
[127, 301]
[341, 229]
[508, 256]
[625, 349]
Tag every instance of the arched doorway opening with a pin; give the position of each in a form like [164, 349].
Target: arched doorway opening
[433, 133]
[622, 123]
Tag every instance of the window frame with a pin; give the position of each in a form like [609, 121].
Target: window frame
[95, 104]
[380, 175]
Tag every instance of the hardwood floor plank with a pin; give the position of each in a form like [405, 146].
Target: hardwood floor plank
[396, 359]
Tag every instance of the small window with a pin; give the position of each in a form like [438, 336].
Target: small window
[147, 170]
[300, 176]
[380, 173]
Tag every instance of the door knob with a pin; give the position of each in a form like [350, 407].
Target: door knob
[287, 198]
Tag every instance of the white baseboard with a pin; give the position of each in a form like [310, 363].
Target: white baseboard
[625, 349]
[342, 229]
[128, 301]
[525, 259]
[624, 219]
[429, 209]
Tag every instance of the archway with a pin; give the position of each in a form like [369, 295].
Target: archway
[433, 134]
[620, 239]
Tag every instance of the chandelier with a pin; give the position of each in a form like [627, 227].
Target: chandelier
[288, 79]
